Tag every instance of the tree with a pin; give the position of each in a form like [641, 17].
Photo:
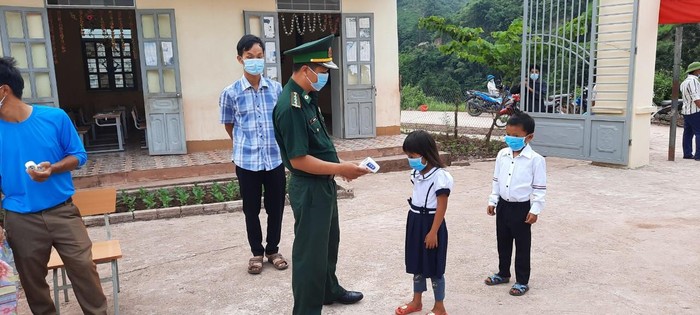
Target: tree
[490, 15]
[501, 53]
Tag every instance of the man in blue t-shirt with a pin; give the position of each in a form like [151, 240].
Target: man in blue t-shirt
[39, 210]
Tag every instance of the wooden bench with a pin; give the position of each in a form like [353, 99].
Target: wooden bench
[92, 202]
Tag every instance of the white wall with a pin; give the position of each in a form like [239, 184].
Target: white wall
[386, 56]
[23, 3]
[207, 38]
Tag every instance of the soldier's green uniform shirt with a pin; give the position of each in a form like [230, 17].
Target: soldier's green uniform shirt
[300, 129]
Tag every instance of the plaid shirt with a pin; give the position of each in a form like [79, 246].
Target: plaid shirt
[250, 112]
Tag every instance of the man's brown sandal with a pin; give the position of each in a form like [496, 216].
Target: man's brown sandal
[255, 265]
[278, 261]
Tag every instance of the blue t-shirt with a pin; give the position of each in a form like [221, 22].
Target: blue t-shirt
[47, 135]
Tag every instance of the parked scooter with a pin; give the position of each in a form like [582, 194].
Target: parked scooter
[480, 102]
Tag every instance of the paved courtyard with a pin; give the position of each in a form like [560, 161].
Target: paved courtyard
[610, 241]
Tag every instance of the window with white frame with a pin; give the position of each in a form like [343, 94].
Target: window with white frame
[309, 5]
[100, 3]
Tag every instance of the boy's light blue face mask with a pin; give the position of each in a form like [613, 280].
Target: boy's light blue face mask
[515, 143]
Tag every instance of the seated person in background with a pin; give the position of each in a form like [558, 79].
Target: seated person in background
[491, 85]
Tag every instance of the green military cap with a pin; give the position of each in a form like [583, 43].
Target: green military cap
[318, 51]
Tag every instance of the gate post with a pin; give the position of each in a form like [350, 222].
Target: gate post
[643, 86]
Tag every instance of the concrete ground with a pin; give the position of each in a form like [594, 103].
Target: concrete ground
[610, 241]
[446, 118]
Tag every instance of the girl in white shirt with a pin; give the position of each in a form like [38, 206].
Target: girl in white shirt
[426, 231]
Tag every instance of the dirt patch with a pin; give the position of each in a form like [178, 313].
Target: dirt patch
[648, 226]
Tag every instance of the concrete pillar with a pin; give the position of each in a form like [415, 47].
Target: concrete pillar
[612, 97]
[647, 32]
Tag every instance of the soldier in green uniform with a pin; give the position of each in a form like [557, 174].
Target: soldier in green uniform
[308, 152]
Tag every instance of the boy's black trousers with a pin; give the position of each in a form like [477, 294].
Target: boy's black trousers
[510, 225]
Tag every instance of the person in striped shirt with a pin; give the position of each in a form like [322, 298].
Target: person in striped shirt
[246, 112]
[690, 88]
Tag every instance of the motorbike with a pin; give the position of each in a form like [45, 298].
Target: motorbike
[480, 102]
[511, 107]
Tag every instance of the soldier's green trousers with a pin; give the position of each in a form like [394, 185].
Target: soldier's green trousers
[317, 235]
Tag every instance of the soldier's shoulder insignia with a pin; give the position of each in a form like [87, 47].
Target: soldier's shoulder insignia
[295, 100]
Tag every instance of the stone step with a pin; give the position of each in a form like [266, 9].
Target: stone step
[186, 174]
[220, 172]
[375, 153]
[140, 178]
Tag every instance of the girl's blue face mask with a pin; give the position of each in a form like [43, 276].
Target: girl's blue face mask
[516, 143]
[417, 163]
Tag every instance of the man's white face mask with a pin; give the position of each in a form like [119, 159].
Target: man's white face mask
[2, 101]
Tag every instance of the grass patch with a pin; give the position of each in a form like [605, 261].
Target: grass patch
[437, 106]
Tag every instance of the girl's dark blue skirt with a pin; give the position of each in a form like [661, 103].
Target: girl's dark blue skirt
[420, 260]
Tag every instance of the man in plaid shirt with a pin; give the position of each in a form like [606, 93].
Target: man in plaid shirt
[246, 112]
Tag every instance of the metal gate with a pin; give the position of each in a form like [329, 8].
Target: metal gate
[585, 52]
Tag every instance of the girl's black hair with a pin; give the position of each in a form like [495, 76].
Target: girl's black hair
[421, 142]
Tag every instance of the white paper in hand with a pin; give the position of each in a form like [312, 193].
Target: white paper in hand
[30, 165]
[370, 164]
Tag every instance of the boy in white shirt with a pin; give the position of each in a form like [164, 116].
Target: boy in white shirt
[517, 197]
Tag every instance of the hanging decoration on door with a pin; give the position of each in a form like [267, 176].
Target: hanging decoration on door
[111, 30]
[134, 39]
[309, 23]
[121, 28]
[103, 25]
[61, 35]
[53, 39]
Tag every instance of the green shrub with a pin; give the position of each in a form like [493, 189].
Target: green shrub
[128, 201]
[663, 85]
[149, 200]
[142, 193]
[182, 195]
[217, 192]
[233, 191]
[198, 194]
[165, 197]
[412, 97]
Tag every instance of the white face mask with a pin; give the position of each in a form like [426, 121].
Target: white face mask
[2, 101]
